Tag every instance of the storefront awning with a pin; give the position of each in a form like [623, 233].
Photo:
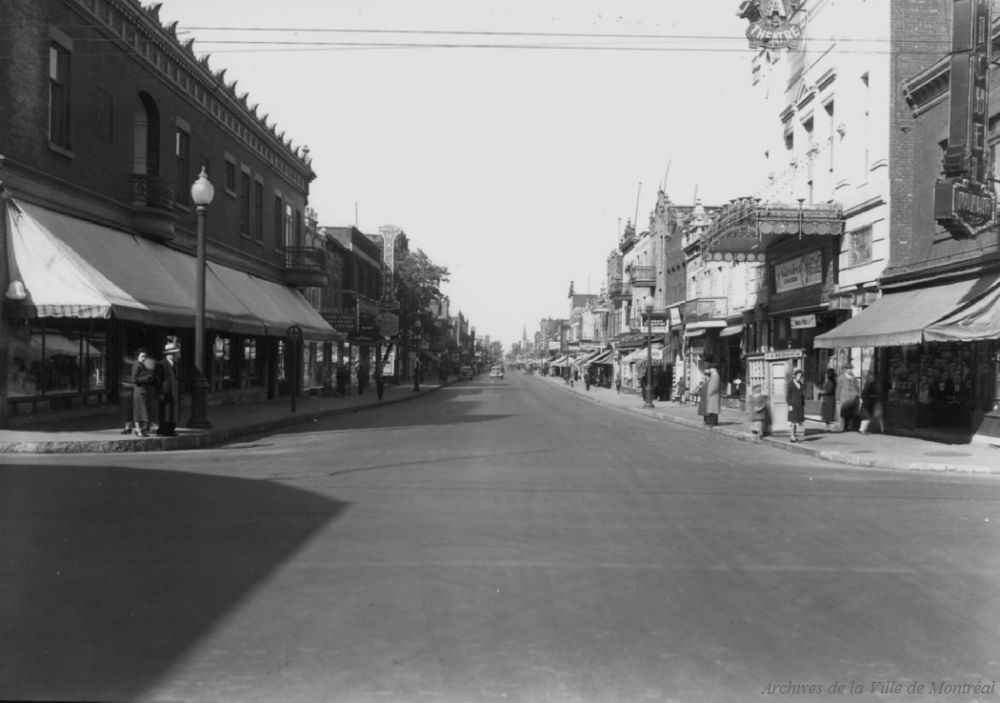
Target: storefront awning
[694, 333]
[72, 268]
[604, 359]
[901, 318]
[744, 229]
[731, 330]
[276, 306]
[977, 320]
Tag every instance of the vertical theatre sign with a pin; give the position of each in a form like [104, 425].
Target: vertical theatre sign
[770, 27]
[964, 202]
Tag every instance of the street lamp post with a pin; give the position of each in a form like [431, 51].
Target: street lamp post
[416, 359]
[294, 334]
[202, 193]
[648, 400]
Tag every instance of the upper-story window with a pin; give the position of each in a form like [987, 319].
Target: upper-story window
[859, 246]
[182, 152]
[245, 203]
[59, 94]
[258, 210]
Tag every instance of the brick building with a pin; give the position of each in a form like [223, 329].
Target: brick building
[108, 119]
[934, 332]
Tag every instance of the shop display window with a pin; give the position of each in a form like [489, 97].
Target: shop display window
[934, 374]
[46, 360]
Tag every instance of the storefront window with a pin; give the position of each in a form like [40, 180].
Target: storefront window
[222, 363]
[47, 360]
[936, 374]
[252, 372]
[282, 361]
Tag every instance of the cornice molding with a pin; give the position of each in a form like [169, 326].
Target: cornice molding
[139, 31]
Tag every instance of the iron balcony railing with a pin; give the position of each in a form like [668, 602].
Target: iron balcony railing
[642, 276]
[152, 191]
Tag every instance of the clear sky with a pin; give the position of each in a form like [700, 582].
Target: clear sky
[508, 138]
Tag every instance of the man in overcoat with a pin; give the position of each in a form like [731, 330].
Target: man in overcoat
[169, 389]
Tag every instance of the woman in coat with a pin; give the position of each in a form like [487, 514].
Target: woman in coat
[796, 397]
[144, 392]
[828, 399]
[710, 397]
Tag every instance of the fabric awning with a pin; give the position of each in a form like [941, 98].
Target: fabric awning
[73, 268]
[603, 359]
[276, 306]
[731, 330]
[977, 320]
[900, 318]
[561, 361]
[224, 310]
[694, 333]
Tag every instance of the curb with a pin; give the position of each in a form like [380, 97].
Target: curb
[798, 448]
[200, 440]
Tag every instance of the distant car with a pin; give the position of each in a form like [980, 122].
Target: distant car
[465, 371]
[496, 372]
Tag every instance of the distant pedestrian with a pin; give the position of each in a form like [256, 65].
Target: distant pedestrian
[759, 409]
[796, 397]
[618, 383]
[828, 399]
[144, 392]
[586, 378]
[710, 397]
[848, 395]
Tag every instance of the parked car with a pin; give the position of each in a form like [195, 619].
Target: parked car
[496, 372]
[465, 371]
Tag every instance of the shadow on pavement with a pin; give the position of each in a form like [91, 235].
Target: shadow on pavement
[110, 575]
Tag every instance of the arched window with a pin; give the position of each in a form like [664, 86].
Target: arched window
[146, 134]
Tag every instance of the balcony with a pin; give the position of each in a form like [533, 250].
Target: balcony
[642, 276]
[153, 214]
[619, 292]
[304, 267]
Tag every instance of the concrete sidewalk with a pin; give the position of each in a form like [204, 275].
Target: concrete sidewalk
[101, 432]
[853, 448]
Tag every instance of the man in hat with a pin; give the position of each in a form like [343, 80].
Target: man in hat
[169, 387]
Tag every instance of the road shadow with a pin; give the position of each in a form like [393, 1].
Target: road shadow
[110, 575]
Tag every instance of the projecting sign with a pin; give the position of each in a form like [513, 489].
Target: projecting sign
[769, 26]
[964, 203]
[803, 322]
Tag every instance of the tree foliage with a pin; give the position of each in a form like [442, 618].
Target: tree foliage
[418, 283]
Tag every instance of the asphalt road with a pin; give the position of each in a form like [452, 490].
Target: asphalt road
[494, 541]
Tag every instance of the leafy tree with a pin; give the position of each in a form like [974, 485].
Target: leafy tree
[418, 284]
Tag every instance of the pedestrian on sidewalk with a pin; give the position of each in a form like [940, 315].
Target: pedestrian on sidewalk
[796, 397]
[168, 385]
[869, 402]
[758, 413]
[710, 397]
[618, 383]
[828, 399]
[126, 394]
[143, 393]
[848, 397]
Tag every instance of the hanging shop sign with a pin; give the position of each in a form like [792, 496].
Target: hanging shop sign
[803, 322]
[388, 324]
[769, 24]
[964, 202]
[389, 235]
[799, 273]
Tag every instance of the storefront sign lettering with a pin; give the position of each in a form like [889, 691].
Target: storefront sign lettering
[964, 209]
[769, 26]
[799, 273]
[803, 322]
